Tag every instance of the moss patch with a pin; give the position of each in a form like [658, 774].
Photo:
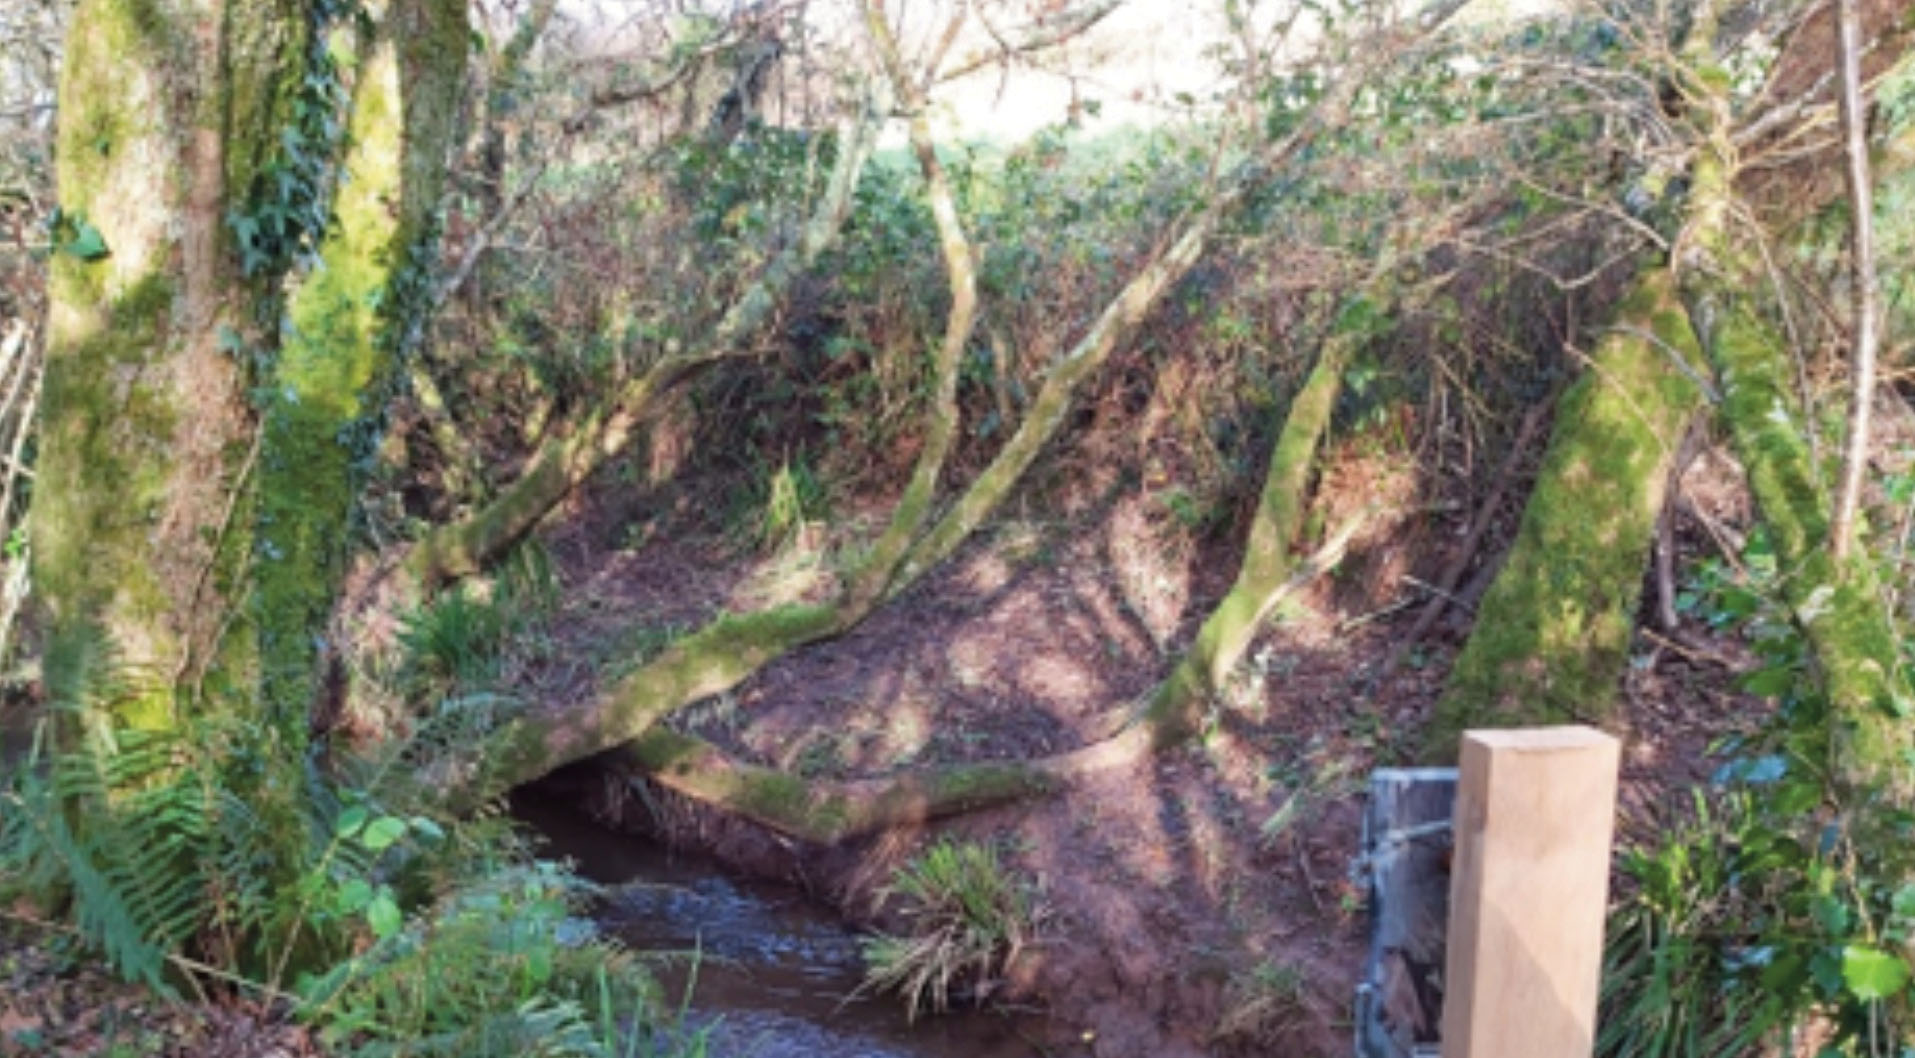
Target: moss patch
[1552, 635]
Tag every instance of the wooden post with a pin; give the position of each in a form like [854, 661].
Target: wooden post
[1535, 814]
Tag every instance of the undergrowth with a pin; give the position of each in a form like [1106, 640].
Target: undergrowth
[1779, 918]
[210, 859]
[457, 643]
[970, 918]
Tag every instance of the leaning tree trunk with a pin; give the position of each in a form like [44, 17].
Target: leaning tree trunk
[1836, 602]
[827, 812]
[1552, 636]
[174, 520]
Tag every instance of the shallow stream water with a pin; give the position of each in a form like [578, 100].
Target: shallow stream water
[775, 975]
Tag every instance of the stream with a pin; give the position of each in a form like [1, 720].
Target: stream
[775, 972]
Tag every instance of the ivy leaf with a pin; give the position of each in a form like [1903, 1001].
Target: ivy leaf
[1871, 973]
[428, 831]
[350, 821]
[383, 914]
[1831, 915]
[1826, 972]
[382, 832]
[87, 243]
[1903, 902]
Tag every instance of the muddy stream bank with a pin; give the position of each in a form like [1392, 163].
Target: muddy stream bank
[775, 973]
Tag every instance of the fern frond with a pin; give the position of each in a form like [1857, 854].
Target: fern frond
[102, 908]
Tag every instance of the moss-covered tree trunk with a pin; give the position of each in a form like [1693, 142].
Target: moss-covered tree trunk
[168, 110]
[350, 317]
[197, 477]
[1552, 636]
[1837, 603]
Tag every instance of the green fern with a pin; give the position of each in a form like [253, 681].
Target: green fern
[216, 848]
[113, 831]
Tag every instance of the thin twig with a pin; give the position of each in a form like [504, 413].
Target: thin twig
[192, 966]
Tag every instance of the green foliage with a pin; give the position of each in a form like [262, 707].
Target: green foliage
[211, 856]
[775, 506]
[456, 639]
[289, 205]
[503, 966]
[457, 642]
[1683, 970]
[970, 920]
[133, 910]
[76, 236]
[1778, 903]
[737, 188]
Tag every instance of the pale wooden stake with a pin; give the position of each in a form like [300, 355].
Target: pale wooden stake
[1535, 814]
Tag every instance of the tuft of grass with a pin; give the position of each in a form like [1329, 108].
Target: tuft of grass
[456, 639]
[460, 640]
[1262, 1007]
[970, 920]
[775, 508]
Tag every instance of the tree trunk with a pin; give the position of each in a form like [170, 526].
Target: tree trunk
[1848, 59]
[1552, 636]
[137, 537]
[352, 318]
[1837, 603]
[196, 533]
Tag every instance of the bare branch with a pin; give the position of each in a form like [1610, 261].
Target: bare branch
[1038, 36]
[1862, 281]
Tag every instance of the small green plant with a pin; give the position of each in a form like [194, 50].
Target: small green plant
[1682, 967]
[205, 858]
[970, 920]
[455, 640]
[794, 498]
[503, 965]
[1780, 905]
[1262, 1007]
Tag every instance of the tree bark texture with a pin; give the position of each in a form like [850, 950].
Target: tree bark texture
[1552, 635]
[198, 476]
[352, 318]
[137, 535]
